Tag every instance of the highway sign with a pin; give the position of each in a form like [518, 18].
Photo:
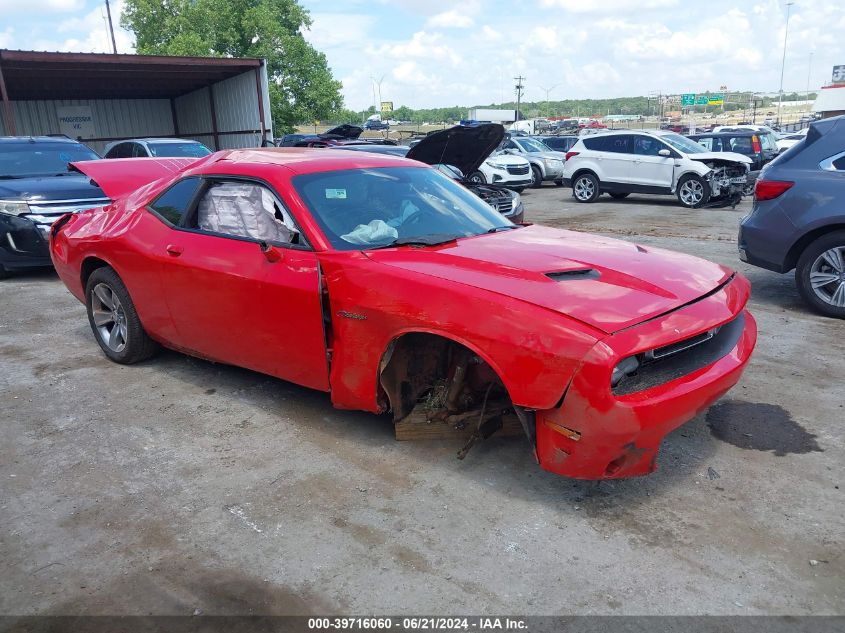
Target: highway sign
[688, 99]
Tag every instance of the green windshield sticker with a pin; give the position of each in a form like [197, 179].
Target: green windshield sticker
[335, 194]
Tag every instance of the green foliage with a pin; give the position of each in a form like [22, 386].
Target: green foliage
[302, 88]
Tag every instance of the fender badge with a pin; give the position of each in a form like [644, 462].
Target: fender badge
[351, 315]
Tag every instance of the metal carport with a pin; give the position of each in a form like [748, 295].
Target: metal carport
[222, 102]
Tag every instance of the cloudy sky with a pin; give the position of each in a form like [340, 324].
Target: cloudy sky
[448, 52]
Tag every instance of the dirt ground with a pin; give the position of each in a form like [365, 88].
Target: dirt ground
[178, 484]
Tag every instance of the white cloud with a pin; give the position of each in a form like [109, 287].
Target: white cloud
[451, 19]
[7, 38]
[614, 7]
[337, 30]
[35, 6]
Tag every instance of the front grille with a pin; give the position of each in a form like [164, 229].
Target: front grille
[501, 201]
[44, 214]
[670, 362]
[518, 170]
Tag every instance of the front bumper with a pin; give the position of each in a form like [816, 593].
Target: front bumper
[595, 434]
[23, 243]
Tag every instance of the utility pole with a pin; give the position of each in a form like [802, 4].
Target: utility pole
[519, 88]
[783, 61]
[111, 28]
[809, 69]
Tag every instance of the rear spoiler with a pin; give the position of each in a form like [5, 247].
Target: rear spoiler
[120, 177]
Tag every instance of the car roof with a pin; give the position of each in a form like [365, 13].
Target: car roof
[154, 139]
[726, 133]
[38, 139]
[307, 160]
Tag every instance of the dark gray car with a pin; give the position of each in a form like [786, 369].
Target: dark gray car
[798, 218]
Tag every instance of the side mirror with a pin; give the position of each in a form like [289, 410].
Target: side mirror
[665, 153]
[271, 253]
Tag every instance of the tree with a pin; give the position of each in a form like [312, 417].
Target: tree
[302, 88]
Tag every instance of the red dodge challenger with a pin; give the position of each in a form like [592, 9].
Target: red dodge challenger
[390, 286]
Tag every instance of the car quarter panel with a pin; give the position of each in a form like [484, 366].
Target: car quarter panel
[125, 241]
[533, 350]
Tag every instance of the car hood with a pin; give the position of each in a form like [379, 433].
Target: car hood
[733, 156]
[507, 159]
[464, 146]
[606, 283]
[344, 131]
[72, 186]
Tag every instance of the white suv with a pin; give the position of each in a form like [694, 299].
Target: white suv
[651, 161]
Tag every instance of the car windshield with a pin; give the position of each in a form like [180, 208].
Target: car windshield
[193, 150]
[370, 208]
[29, 159]
[682, 143]
[531, 145]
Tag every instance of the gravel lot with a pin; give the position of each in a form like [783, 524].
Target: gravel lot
[179, 484]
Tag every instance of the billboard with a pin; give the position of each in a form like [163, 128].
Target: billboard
[839, 74]
[387, 106]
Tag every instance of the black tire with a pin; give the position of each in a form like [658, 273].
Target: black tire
[585, 187]
[691, 183]
[804, 269]
[536, 177]
[477, 177]
[559, 183]
[137, 345]
[4, 274]
[619, 195]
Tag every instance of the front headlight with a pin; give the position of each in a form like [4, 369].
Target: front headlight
[494, 165]
[13, 207]
[626, 367]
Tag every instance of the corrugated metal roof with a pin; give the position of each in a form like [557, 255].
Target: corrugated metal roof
[31, 75]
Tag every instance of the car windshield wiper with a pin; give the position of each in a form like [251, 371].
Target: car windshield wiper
[496, 229]
[10, 177]
[433, 239]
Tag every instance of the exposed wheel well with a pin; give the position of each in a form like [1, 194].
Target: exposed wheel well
[418, 363]
[89, 265]
[804, 241]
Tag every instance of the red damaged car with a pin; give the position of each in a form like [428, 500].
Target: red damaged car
[383, 282]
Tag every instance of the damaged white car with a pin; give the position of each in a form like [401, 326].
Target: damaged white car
[654, 162]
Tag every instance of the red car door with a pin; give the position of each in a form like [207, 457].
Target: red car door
[232, 303]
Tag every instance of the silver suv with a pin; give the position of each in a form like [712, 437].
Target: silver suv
[657, 162]
[546, 164]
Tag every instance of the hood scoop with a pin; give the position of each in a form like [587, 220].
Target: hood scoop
[573, 275]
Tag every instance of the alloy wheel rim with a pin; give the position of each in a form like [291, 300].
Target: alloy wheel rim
[827, 276]
[109, 317]
[692, 192]
[584, 188]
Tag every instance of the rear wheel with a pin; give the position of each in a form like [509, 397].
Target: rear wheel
[585, 188]
[693, 191]
[114, 320]
[820, 274]
[619, 195]
[477, 177]
[536, 176]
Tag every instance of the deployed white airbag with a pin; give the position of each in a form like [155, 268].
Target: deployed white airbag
[243, 209]
[375, 231]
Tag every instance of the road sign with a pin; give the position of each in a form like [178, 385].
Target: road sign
[702, 100]
[688, 99]
[717, 100]
[387, 106]
[838, 76]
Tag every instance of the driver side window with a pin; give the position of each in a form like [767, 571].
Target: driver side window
[246, 210]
